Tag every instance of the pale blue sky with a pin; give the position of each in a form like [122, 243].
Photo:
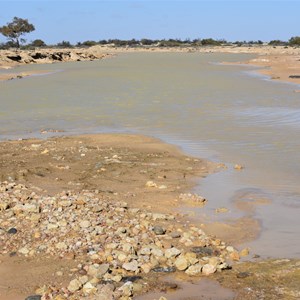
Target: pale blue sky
[79, 20]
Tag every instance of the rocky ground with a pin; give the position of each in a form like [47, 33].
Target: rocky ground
[98, 204]
[92, 217]
[9, 58]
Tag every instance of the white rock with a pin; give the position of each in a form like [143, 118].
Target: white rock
[208, 269]
[88, 289]
[172, 252]
[194, 270]
[74, 285]
[23, 250]
[131, 266]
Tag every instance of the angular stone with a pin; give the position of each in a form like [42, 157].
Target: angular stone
[131, 266]
[181, 263]
[98, 271]
[191, 258]
[89, 289]
[105, 292]
[208, 269]
[74, 285]
[194, 270]
[146, 268]
[157, 252]
[172, 252]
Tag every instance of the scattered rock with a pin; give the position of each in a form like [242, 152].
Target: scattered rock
[181, 263]
[159, 230]
[12, 231]
[34, 297]
[238, 167]
[194, 270]
[74, 285]
[164, 269]
[131, 266]
[205, 251]
[208, 269]
[172, 252]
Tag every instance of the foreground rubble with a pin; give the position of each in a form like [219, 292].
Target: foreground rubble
[110, 240]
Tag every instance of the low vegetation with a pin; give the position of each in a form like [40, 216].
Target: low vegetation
[14, 30]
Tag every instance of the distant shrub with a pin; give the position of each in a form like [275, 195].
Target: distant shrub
[38, 43]
[64, 44]
[294, 41]
[210, 42]
[89, 43]
[103, 42]
[277, 43]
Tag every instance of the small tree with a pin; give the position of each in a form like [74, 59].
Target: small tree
[15, 29]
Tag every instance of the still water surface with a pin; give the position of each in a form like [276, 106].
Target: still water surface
[224, 113]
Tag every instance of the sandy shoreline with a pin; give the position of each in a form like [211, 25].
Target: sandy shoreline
[150, 176]
[71, 163]
[280, 62]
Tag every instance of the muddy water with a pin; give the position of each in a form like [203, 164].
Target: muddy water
[220, 112]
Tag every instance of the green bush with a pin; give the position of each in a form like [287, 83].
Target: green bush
[294, 41]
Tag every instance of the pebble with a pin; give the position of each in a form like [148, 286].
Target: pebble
[34, 297]
[159, 230]
[164, 269]
[202, 250]
[194, 270]
[131, 266]
[12, 231]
